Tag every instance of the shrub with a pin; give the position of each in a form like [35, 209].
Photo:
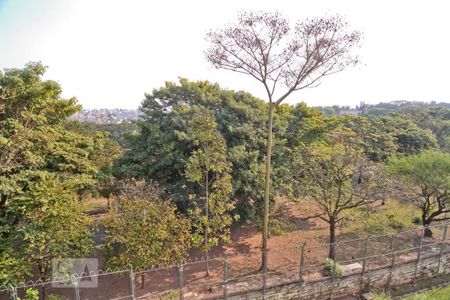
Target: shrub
[31, 294]
[417, 220]
[328, 269]
[170, 295]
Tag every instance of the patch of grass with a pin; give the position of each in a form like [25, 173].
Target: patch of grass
[434, 294]
[391, 217]
[382, 296]
[95, 205]
[170, 295]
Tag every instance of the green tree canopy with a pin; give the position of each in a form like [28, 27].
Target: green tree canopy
[143, 230]
[38, 148]
[160, 151]
[337, 177]
[45, 222]
[425, 181]
[208, 168]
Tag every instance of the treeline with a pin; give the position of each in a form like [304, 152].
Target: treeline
[192, 165]
[383, 108]
[160, 150]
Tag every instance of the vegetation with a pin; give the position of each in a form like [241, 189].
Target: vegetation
[263, 46]
[46, 168]
[434, 294]
[144, 230]
[425, 181]
[337, 177]
[331, 266]
[201, 158]
[208, 167]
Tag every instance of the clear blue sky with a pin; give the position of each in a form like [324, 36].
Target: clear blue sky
[109, 53]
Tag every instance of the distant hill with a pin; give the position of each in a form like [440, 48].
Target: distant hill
[106, 116]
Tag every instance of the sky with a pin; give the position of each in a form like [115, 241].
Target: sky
[108, 54]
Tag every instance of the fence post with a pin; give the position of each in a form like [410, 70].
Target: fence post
[180, 278]
[302, 265]
[225, 277]
[419, 251]
[364, 264]
[13, 292]
[394, 250]
[333, 271]
[75, 282]
[132, 276]
[443, 244]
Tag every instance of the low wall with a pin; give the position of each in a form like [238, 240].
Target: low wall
[403, 272]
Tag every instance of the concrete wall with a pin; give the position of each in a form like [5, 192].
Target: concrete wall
[403, 272]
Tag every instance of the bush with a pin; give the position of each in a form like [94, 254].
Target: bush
[170, 295]
[31, 294]
[417, 220]
[328, 269]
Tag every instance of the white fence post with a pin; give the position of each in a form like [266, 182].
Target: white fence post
[75, 282]
[133, 290]
[13, 292]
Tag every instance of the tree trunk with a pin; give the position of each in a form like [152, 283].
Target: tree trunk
[267, 190]
[332, 253]
[207, 221]
[427, 231]
[142, 280]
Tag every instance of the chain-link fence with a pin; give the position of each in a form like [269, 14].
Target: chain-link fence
[240, 273]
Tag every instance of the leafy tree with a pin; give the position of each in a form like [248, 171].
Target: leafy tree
[144, 230]
[160, 151]
[36, 148]
[306, 124]
[337, 177]
[382, 137]
[435, 119]
[52, 225]
[425, 181]
[263, 46]
[208, 167]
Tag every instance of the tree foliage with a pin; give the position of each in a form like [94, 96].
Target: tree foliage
[425, 181]
[144, 230]
[208, 168]
[337, 177]
[161, 151]
[43, 164]
[46, 222]
[263, 46]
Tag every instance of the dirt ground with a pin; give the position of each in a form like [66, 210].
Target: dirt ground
[242, 265]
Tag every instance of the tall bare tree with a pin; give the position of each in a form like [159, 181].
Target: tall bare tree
[283, 60]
